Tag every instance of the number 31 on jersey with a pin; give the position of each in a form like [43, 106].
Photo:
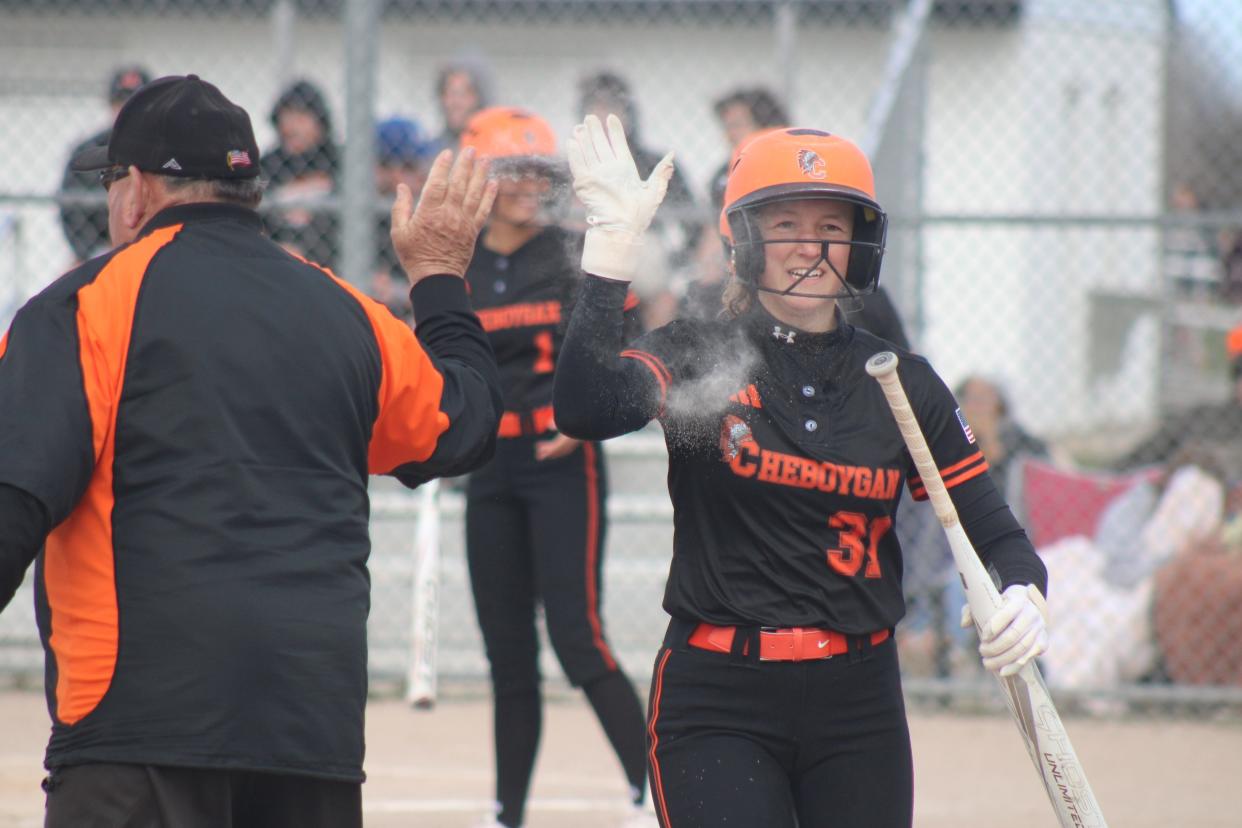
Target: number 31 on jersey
[859, 539]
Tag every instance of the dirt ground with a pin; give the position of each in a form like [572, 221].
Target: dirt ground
[434, 769]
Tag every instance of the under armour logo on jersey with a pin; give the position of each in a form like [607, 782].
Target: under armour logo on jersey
[786, 336]
[171, 164]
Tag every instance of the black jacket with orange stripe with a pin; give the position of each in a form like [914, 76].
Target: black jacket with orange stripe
[196, 414]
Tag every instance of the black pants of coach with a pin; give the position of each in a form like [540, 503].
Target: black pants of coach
[148, 796]
[812, 744]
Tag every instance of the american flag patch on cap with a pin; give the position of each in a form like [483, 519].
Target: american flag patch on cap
[237, 158]
[961, 418]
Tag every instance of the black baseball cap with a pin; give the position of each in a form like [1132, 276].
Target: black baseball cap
[178, 126]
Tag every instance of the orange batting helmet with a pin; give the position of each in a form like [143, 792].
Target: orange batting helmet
[518, 141]
[793, 164]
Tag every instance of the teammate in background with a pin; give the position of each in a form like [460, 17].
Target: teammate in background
[785, 466]
[186, 429]
[535, 515]
[463, 87]
[86, 225]
[402, 156]
[606, 92]
[302, 173]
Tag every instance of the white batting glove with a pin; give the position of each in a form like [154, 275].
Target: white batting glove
[1016, 633]
[619, 204]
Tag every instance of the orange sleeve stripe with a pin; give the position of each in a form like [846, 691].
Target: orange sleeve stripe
[946, 473]
[919, 492]
[656, 367]
[950, 482]
[4, 344]
[79, 563]
[410, 422]
[631, 301]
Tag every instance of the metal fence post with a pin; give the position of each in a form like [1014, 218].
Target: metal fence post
[357, 201]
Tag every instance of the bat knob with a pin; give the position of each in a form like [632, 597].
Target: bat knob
[883, 363]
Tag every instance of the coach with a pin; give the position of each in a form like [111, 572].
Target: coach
[187, 423]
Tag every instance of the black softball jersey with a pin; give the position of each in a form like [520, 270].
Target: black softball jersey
[194, 416]
[785, 462]
[523, 300]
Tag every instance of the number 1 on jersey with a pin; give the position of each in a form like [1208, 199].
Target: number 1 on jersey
[859, 539]
[543, 362]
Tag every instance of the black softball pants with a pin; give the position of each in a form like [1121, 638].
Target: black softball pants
[111, 795]
[535, 535]
[734, 741]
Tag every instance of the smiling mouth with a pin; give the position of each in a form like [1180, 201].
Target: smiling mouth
[801, 274]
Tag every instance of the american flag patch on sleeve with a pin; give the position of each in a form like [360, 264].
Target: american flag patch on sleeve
[961, 418]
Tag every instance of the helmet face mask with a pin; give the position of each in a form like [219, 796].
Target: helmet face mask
[798, 165]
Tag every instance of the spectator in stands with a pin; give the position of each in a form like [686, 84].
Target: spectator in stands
[1001, 438]
[86, 224]
[463, 87]
[1103, 604]
[402, 156]
[1198, 607]
[1215, 425]
[671, 242]
[302, 174]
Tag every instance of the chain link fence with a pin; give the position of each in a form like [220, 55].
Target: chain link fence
[1065, 190]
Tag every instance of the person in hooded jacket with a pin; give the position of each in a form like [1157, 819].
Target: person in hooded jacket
[302, 174]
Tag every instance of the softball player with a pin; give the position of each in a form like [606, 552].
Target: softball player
[535, 515]
[776, 698]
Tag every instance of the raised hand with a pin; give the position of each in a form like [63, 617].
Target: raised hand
[619, 204]
[437, 235]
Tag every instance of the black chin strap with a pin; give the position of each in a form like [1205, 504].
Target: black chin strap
[850, 293]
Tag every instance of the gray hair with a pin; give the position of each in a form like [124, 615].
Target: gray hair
[247, 192]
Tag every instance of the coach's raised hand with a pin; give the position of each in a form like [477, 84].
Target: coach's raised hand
[437, 236]
[619, 204]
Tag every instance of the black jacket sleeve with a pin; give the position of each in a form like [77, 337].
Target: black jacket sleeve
[1001, 541]
[24, 525]
[453, 338]
[598, 393]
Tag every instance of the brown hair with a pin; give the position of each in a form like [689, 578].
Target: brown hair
[738, 297]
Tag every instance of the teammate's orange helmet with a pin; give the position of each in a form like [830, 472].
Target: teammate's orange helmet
[793, 164]
[517, 141]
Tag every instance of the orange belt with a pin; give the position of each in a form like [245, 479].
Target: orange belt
[526, 423]
[793, 644]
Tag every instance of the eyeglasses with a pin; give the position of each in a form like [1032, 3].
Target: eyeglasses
[107, 177]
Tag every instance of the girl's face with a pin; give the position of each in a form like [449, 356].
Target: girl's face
[793, 231]
[519, 201]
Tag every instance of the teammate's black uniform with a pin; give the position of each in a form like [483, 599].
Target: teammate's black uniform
[785, 469]
[535, 528]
